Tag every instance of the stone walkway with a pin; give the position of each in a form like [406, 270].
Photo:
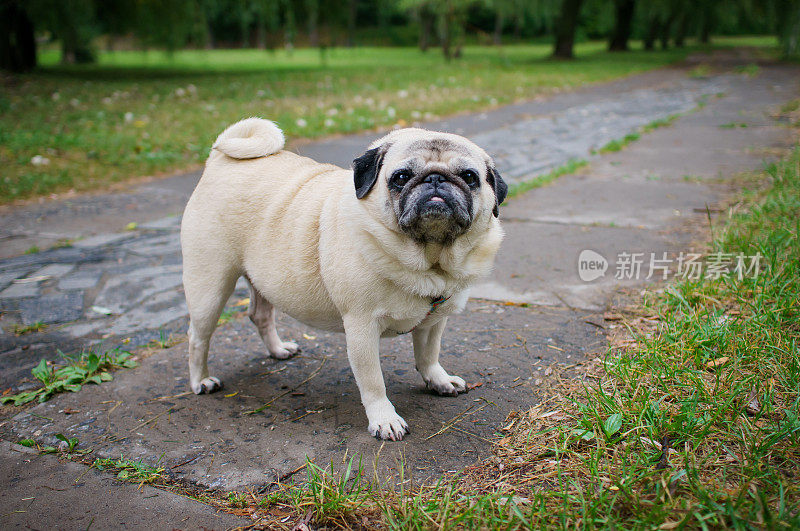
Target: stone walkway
[651, 197]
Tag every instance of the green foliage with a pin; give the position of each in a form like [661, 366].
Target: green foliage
[617, 145]
[130, 470]
[38, 326]
[332, 498]
[571, 166]
[86, 368]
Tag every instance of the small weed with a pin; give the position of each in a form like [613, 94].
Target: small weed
[618, 144]
[733, 125]
[749, 70]
[228, 314]
[63, 243]
[38, 326]
[333, 499]
[85, 369]
[791, 106]
[662, 122]
[700, 71]
[570, 167]
[130, 470]
[237, 500]
[164, 339]
[33, 249]
[68, 445]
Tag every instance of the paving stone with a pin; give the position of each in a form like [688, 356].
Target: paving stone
[153, 312]
[168, 223]
[59, 308]
[102, 240]
[54, 270]
[21, 290]
[127, 290]
[80, 280]
[8, 277]
[158, 245]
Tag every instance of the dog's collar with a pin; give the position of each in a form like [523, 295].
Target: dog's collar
[435, 303]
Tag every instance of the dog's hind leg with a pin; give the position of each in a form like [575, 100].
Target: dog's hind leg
[262, 313]
[206, 295]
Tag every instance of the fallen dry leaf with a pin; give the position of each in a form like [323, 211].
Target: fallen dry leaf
[611, 316]
[713, 364]
[471, 386]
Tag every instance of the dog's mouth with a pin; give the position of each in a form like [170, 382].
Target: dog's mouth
[434, 213]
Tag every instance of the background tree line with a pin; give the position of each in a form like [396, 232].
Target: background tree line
[448, 24]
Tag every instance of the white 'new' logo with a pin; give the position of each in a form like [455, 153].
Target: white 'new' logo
[591, 265]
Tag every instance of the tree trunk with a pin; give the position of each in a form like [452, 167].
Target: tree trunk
[788, 27]
[680, 29]
[666, 27]
[17, 41]
[426, 20]
[565, 28]
[622, 25]
[313, 22]
[706, 20]
[519, 16]
[497, 36]
[445, 36]
[652, 32]
[352, 13]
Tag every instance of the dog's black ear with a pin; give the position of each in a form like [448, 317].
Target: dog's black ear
[500, 189]
[366, 169]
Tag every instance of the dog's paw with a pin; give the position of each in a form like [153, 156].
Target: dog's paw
[285, 350]
[389, 429]
[443, 384]
[207, 385]
[385, 424]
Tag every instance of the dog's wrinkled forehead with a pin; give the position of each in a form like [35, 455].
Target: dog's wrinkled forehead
[430, 145]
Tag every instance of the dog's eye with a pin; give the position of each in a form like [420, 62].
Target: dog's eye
[400, 178]
[471, 178]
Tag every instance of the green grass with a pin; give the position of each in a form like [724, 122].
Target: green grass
[571, 166]
[617, 144]
[146, 113]
[84, 368]
[131, 470]
[21, 330]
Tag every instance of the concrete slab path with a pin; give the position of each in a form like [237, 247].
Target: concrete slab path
[649, 198]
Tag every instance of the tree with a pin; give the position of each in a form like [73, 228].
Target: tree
[565, 28]
[621, 33]
[706, 10]
[788, 27]
[450, 17]
[17, 41]
[72, 22]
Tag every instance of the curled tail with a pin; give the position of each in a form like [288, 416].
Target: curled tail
[250, 139]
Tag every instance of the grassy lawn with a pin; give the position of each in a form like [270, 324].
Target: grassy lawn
[144, 113]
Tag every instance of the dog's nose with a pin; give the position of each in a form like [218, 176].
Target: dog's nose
[434, 178]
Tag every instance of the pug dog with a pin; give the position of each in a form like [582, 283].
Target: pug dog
[389, 247]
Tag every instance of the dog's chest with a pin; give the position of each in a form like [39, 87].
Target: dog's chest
[420, 313]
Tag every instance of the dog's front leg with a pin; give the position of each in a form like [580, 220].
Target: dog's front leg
[427, 342]
[363, 341]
